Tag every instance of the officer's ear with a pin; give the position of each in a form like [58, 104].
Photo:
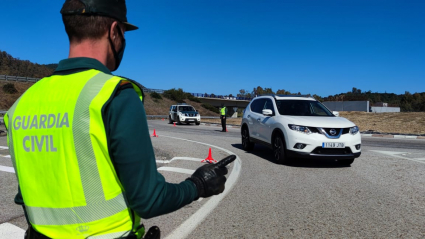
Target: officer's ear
[116, 34]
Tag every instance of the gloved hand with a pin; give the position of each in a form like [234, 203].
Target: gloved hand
[209, 179]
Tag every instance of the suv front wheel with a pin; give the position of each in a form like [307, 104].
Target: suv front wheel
[247, 145]
[279, 150]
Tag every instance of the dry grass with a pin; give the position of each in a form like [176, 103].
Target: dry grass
[7, 100]
[152, 106]
[401, 123]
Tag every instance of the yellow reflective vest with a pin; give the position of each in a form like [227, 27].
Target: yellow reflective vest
[223, 110]
[58, 146]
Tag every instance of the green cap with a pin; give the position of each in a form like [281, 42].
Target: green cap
[108, 8]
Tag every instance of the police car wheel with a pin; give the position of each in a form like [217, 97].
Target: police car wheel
[169, 120]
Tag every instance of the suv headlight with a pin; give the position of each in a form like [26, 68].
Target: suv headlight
[354, 130]
[299, 128]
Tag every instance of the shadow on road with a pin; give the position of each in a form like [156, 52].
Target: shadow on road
[267, 154]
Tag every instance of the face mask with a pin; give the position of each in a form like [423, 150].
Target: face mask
[117, 55]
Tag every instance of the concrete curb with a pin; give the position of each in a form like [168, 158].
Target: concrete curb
[395, 136]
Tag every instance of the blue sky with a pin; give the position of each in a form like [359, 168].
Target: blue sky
[319, 47]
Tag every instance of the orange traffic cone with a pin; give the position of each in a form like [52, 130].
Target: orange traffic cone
[174, 124]
[154, 133]
[162, 119]
[209, 159]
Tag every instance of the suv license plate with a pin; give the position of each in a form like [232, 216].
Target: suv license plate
[333, 145]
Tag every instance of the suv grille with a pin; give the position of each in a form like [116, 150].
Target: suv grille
[335, 133]
[344, 130]
[320, 150]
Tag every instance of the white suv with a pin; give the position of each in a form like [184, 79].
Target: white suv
[183, 113]
[299, 127]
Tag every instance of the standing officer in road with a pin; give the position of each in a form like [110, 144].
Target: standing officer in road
[223, 113]
[80, 143]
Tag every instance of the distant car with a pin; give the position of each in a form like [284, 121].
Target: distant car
[183, 113]
[299, 127]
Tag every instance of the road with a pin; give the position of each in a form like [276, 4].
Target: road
[382, 195]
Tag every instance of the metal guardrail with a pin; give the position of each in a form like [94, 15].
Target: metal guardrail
[147, 90]
[223, 97]
[18, 78]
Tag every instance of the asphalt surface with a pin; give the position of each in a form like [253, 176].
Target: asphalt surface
[382, 194]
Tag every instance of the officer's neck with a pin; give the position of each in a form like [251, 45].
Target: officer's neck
[92, 49]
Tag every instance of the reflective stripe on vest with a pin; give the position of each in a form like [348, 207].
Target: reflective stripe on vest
[223, 111]
[63, 143]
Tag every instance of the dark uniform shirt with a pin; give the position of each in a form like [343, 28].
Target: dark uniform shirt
[131, 151]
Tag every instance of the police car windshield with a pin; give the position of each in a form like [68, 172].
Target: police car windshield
[186, 108]
[302, 108]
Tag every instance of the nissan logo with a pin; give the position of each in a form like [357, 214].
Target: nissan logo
[332, 131]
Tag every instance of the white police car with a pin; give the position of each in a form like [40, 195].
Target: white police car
[299, 127]
[184, 113]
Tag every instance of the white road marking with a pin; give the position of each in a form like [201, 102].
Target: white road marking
[397, 155]
[179, 158]
[177, 170]
[7, 169]
[3, 147]
[405, 137]
[10, 231]
[4, 156]
[199, 216]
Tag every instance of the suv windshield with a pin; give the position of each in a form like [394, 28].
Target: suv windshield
[302, 108]
[186, 108]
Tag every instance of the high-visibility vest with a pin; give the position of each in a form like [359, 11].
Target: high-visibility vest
[223, 110]
[59, 150]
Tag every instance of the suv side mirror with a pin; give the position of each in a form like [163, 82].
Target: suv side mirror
[336, 113]
[267, 112]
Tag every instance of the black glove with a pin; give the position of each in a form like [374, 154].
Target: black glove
[209, 179]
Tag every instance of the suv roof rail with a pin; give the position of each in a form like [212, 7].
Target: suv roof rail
[274, 95]
[181, 104]
[294, 96]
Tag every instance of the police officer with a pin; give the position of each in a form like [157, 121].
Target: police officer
[223, 113]
[80, 145]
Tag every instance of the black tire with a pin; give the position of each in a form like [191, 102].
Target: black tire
[169, 119]
[178, 120]
[247, 145]
[279, 150]
[198, 122]
[345, 162]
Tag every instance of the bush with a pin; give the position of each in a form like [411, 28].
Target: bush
[192, 98]
[10, 88]
[177, 95]
[156, 96]
[211, 108]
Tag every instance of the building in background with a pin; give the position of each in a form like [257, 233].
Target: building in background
[363, 106]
